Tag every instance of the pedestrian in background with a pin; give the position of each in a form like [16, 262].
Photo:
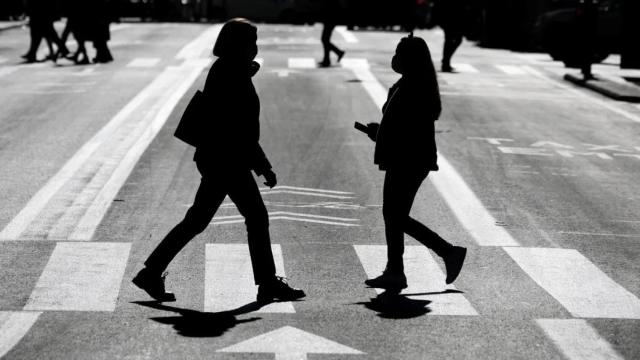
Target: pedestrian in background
[331, 13]
[100, 20]
[451, 16]
[78, 25]
[42, 14]
[226, 155]
[406, 151]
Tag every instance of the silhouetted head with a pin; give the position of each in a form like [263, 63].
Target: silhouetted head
[412, 57]
[237, 40]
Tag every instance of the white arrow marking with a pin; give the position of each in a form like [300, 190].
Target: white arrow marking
[289, 343]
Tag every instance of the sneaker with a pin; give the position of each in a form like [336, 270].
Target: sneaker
[453, 262]
[388, 280]
[448, 69]
[324, 64]
[153, 285]
[278, 289]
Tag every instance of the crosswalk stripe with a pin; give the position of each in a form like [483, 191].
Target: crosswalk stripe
[424, 277]
[143, 62]
[81, 277]
[229, 282]
[196, 48]
[577, 340]
[511, 69]
[347, 35]
[302, 63]
[462, 201]
[579, 285]
[465, 68]
[14, 325]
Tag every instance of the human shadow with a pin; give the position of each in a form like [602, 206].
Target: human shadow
[393, 305]
[193, 323]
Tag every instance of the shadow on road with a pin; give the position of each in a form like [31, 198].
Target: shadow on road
[391, 305]
[192, 323]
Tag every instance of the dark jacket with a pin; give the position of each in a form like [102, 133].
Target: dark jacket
[406, 137]
[233, 128]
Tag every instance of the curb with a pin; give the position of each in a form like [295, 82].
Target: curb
[616, 91]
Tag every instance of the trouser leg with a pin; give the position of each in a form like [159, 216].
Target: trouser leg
[427, 237]
[400, 189]
[207, 201]
[245, 194]
[327, 45]
[452, 40]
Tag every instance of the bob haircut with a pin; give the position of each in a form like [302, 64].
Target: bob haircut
[234, 37]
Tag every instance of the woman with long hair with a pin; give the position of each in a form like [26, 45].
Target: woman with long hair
[225, 157]
[406, 151]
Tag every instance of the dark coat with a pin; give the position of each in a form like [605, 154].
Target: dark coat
[233, 131]
[406, 137]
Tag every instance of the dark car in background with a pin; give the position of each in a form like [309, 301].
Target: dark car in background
[557, 32]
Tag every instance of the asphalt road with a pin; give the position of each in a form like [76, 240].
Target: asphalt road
[538, 179]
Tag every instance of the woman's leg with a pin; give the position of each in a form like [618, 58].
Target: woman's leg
[207, 201]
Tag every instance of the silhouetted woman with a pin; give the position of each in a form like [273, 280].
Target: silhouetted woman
[331, 13]
[77, 24]
[406, 151]
[228, 153]
[42, 14]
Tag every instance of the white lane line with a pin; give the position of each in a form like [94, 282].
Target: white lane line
[143, 62]
[423, 276]
[229, 282]
[347, 35]
[273, 192]
[196, 48]
[277, 213]
[465, 68]
[14, 325]
[598, 234]
[462, 201]
[302, 63]
[577, 284]
[81, 277]
[175, 79]
[307, 190]
[511, 69]
[577, 340]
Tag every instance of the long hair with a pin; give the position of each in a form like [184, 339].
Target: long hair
[417, 67]
[234, 37]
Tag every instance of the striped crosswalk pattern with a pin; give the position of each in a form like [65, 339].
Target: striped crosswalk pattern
[14, 325]
[577, 340]
[573, 280]
[302, 63]
[81, 277]
[511, 69]
[465, 68]
[143, 62]
[424, 277]
[229, 282]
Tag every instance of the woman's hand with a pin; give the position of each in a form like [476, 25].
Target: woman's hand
[372, 130]
[270, 178]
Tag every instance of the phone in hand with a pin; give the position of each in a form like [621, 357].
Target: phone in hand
[362, 127]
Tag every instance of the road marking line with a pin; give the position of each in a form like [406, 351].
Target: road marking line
[229, 282]
[511, 69]
[273, 192]
[276, 213]
[423, 276]
[143, 62]
[101, 148]
[462, 201]
[577, 340]
[347, 35]
[598, 234]
[324, 222]
[307, 189]
[81, 277]
[302, 63]
[14, 325]
[576, 283]
[259, 61]
[196, 48]
[465, 68]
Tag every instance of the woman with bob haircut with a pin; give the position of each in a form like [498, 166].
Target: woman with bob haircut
[406, 151]
[225, 157]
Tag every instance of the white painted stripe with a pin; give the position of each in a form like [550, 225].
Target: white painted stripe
[229, 282]
[302, 63]
[462, 201]
[307, 189]
[260, 61]
[347, 35]
[92, 218]
[465, 68]
[196, 48]
[324, 222]
[305, 193]
[14, 325]
[276, 213]
[511, 69]
[423, 276]
[143, 62]
[577, 340]
[81, 277]
[573, 280]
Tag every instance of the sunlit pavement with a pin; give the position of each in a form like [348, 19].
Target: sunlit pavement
[538, 179]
